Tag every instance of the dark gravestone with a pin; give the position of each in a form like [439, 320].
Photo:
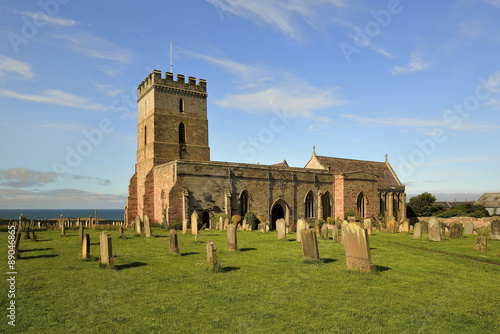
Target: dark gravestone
[481, 243]
[495, 229]
[80, 233]
[174, 243]
[425, 226]
[122, 236]
[26, 232]
[357, 248]
[456, 230]
[309, 245]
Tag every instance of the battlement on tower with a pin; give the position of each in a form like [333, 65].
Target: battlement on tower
[154, 79]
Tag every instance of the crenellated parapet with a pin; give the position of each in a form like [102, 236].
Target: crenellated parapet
[154, 80]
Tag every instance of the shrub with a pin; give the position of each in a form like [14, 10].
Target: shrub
[330, 220]
[320, 222]
[236, 219]
[350, 212]
[261, 219]
[251, 220]
[175, 226]
[216, 218]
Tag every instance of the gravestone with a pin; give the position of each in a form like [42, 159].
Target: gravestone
[63, 230]
[425, 226]
[281, 227]
[33, 236]
[335, 233]
[390, 224]
[481, 243]
[211, 255]
[221, 224]
[138, 227]
[226, 223]
[357, 248]
[194, 223]
[78, 222]
[324, 231]
[342, 237]
[86, 247]
[262, 227]
[301, 224]
[351, 219]
[184, 226]
[495, 229]
[434, 229]
[309, 245]
[469, 228]
[368, 225]
[405, 226]
[27, 232]
[244, 226]
[174, 243]
[232, 243]
[147, 226]
[317, 229]
[91, 222]
[120, 229]
[267, 227]
[106, 248]
[80, 233]
[456, 230]
[417, 231]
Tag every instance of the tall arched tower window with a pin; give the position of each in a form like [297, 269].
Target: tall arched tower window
[182, 141]
[309, 205]
[327, 208]
[361, 204]
[243, 203]
[145, 134]
[181, 105]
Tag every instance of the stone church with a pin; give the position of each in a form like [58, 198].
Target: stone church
[174, 175]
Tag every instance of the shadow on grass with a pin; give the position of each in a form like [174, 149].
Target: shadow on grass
[130, 265]
[228, 269]
[247, 249]
[380, 269]
[190, 253]
[33, 250]
[291, 239]
[39, 256]
[160, 236]
[328, 260]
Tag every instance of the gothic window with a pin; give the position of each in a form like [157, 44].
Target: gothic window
[145, 135]
[309, 205]
[327, 208]
[361, 204]
[181, 105]
[243, 203]
[182, 141]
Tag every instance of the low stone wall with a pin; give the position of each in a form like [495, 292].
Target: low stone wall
[478, 222]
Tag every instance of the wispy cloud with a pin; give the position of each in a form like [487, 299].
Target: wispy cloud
[416, 64]
[108, 89]
[25, 177]
[464, 160]
[57, 97]
[369, 45]
[39, 16]
[268, 89]
[8, 65]
[492, 2]
[62, 126]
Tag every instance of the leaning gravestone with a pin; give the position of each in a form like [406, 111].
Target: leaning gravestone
[469, 228]
[456, 230]
[174, 244]
[417, 231]
[86, 247]
[147, 226]
[301, 224]
[357, 248]
[212, 255]
[80, 233]
[405, 226]
[481, 243]
[368, 225]
[390, 224]
[281, 227]
[335, 233]
[262, 227]
[194, 223]
[434, 229]
[232, 243]
[495, 229]
[106, 248]
[309, 245]
[138, 228]
[324, 231]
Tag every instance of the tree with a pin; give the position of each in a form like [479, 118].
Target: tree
[423, 205]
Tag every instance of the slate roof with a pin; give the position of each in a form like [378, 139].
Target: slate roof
[383, 170]
[489, 200]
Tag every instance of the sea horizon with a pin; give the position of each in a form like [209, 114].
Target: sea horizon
[43, 214]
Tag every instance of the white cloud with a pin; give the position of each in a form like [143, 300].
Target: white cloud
[416, 65]
[40, 16]
[492, 2]
[53, 96]
[11, 65]
[108, 89]
[25, 177]
[61, 126]
[370, 45]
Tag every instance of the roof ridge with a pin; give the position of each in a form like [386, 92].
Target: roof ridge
[323, 156]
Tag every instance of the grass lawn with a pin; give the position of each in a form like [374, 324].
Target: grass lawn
[418, 286]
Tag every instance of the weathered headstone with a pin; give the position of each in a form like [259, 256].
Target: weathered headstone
[86, 247]
[434, 229]
[194, 223]
[226, 223]
[262, 227]
[335, 233]
[221, 223]
[390, 224]
[469, 228]
[267, 227]
[324, 231]
[26, 232]
[301, 224]
[80, 233]
[481, 243]
[184, 226]
[78, 223]
[281, 227]
[106, 248]
[317, 229]
[63, 230]
[351, 219]
[33, 236]
[342, 237]
[244, 225]
[138, 227]
[405, 226]
[456, 230]
[357, 248]
[147, 226]
[495, 229]
[174, 244]
[309, 245]
[368, 225]
[232, 242]
[425, 226]
[120, 229]
[91, 222]
[212, 255]
[417, 231]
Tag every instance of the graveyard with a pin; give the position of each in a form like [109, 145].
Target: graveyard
[261, 284]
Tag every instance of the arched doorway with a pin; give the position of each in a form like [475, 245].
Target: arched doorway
[361, 204]
[205, 219]
[280, 210]
[325, 203]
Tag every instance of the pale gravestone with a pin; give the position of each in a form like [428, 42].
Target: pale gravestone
[481, 243]
[147, 226]
[469, 228]
[262, 227]
[184, 226]
[174, 244]
[80, 233]
[309, 245]
[405, 226]
[317, 229]
[351, 219]
[357, 248]
[281, 227]
[335, 233]
[226, 223]
[63, 230]
[244, 226]
[368, 225]
[390, 224]
[86, 247]
[221, 224]
[211, 254]
[324, 231]
[434, 229]
[417, 231]
[267, 227]
[456, 230]
[232, 242]
[344, 224]
[106, 248]
[495, 229]
[301, 224]
[138, 228]
[194, 224]
[78, 222]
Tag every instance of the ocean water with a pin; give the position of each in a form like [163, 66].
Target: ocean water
[40, 214]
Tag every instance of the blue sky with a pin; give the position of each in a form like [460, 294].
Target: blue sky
[417, 80]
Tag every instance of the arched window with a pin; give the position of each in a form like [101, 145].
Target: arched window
[327, 208]
[182, 141]
[309, 205]
[243, 203]
[361, 204]
[181, 105]
[145, 135]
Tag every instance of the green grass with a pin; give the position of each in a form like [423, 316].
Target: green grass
[264, 288]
